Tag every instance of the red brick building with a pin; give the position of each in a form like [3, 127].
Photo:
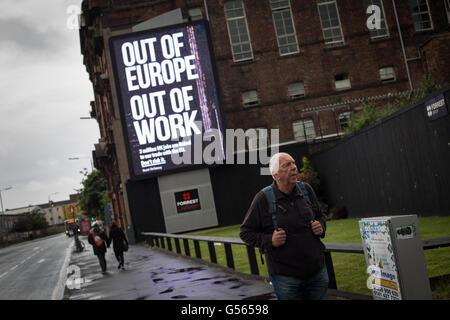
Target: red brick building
[299, 66]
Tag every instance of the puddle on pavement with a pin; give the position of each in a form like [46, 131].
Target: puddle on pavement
[225, 281]
[205, 279]
[156, 276]
[165, 276]
[166, 291]
[191, 270]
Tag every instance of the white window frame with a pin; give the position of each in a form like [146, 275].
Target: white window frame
[195, 14]
[281, 9]
[250, 98]
[335, 42]
[384, 75]
[383, 20]
[447, 9]
[230, 20]
[343, 119]
[306, 125]
[344, 84]
[413, 14]
[296, 93]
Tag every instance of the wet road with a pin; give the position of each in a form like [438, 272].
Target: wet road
[35, 270]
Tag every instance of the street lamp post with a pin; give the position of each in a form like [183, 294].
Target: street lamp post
[79, 158]
[5, 225]
[1, 201]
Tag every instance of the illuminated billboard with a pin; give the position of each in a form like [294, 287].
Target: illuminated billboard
[168, 98]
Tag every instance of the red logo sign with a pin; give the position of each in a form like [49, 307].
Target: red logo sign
[186, 196]
[187, 200]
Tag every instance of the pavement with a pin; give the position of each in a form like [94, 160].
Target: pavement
[155, 274]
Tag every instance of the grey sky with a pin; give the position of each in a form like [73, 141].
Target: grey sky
[44, 91]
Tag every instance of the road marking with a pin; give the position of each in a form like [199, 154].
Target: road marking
[42, 260]
[13, 268]
[3, 274]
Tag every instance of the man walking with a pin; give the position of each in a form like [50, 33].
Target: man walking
[286, 222]
[120, 243]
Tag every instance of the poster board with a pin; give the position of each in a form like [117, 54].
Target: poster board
[168, 95]
[380, 258]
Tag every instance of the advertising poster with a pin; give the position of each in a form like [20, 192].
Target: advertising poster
[168, 97]
[382, 269]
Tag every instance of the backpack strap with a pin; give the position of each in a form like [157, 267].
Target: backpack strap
[270, 197]
[302, 189]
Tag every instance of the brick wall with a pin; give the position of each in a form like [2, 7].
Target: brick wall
[315, 65]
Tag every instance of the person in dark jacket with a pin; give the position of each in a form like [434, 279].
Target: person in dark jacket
[294, 252]
[98, 239]
[117, 236]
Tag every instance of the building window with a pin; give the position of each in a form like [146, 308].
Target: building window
[284, 27]
[238, 31]
[195, 14]
[383, 30]
[296, 90]
[344, 119]
[447, 9]
[303, 129]
[257, 138]
[331, 24]
[342, 82]
[250, 98]
[421, 15]
[387, 74]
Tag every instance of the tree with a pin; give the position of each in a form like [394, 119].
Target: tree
[30, 222]
[309, 175]
[371, 113]
[22, 225]
[93, 195]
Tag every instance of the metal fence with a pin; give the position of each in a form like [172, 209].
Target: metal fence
[398, 165]
[160, 240]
